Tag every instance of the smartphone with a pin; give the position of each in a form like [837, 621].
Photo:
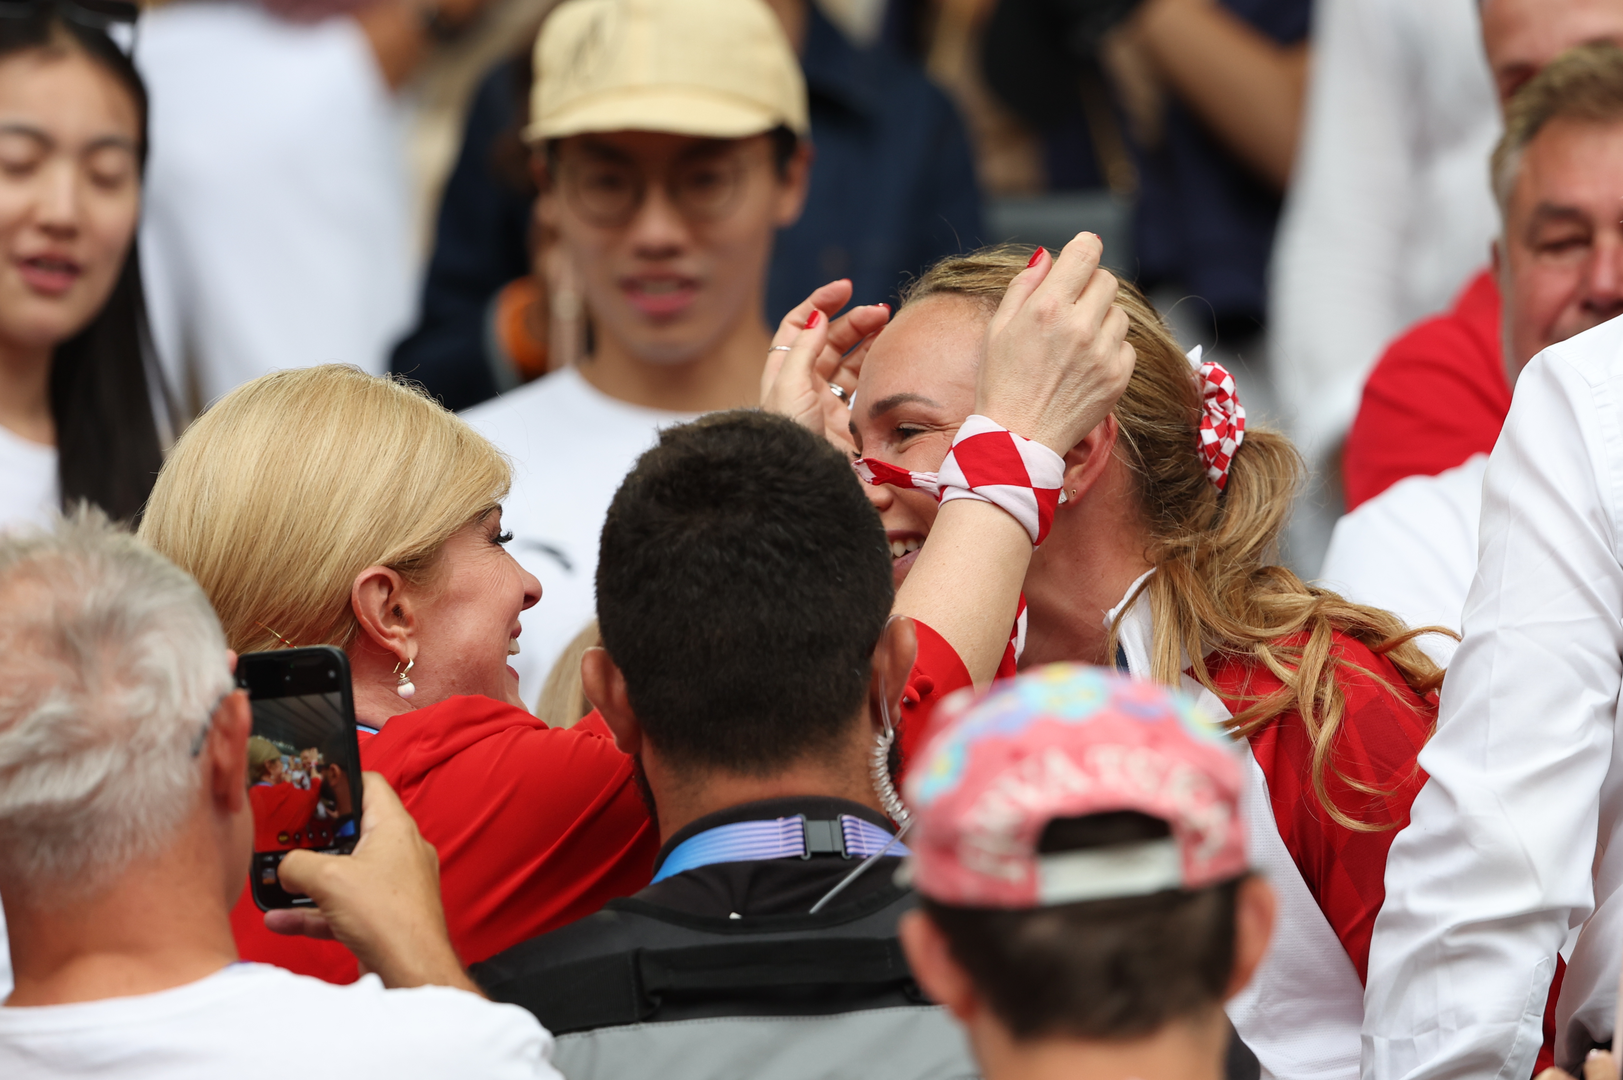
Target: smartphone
[304, 763]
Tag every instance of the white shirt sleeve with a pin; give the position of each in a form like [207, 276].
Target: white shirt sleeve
[1389, 210]
[1496, 864]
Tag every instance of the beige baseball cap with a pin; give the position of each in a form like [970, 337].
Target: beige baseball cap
[718, 69]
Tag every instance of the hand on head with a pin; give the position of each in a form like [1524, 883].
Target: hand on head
[809, 357]
[1057, 356]
[382, 902]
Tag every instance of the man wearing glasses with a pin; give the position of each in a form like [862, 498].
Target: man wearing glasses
[669, 144]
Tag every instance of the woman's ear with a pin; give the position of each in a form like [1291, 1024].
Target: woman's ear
[386, 614]
[1086, 461]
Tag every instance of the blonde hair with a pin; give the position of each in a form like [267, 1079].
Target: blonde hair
[563, 703]
[279, 495]
[1583, 83]
[1217, 590]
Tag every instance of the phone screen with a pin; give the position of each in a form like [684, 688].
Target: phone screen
[304, 776]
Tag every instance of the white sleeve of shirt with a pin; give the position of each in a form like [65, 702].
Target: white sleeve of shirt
[1495, 865]
[1411, 550]
[1389, 210]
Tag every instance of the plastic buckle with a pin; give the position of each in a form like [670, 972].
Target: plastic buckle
[823, 838]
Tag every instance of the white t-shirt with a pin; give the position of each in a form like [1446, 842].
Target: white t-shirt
[28, 485]
[1412, 550]
[571, 445]
[277, 230]
[252, 1020]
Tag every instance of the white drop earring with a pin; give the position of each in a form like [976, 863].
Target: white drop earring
[405, 688]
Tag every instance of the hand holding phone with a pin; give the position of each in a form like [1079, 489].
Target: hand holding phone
[304, 762]
[382, 903]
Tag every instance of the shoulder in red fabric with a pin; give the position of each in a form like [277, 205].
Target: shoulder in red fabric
[536, 827]
[1437, 396]
[1373, 778]
[937, 672]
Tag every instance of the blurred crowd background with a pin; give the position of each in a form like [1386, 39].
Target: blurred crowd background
[313, 160]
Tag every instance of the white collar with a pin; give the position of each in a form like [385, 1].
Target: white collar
[1136, 636]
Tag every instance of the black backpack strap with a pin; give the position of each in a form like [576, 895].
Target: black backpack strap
[634, 986]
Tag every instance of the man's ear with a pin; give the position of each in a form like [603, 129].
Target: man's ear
[383, 609]
[938, 973]
[1254, 911]
[605, 687]
[225, 751]
[1085, 462]
[893, 660]
[793, 184]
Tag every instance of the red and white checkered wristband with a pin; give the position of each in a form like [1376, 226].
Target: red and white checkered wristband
[990, 463]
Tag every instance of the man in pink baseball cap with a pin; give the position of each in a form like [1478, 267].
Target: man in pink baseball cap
[1086, 903]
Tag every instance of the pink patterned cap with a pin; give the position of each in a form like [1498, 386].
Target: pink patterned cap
[1066, 741]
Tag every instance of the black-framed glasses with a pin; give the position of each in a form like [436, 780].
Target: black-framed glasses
[115, 18]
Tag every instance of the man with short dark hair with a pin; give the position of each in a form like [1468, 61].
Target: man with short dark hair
[1086, 906]
[749, 662]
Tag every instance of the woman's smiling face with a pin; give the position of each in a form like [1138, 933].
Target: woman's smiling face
[917, 386]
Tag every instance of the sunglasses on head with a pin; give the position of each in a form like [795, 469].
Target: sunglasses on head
[115, 18]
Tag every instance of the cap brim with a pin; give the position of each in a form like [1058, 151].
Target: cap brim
[671, 109]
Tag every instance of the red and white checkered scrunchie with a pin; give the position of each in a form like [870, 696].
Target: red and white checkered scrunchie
[990, 463]
[1222, 417]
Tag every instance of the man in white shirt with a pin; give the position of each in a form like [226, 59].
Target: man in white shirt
[669, 144]
[125, 834]
[1387, 216]
[1512, 841]
[1558, 174]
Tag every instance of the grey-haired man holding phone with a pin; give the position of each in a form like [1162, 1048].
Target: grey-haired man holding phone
[125, 834]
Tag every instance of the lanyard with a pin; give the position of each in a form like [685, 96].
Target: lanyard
[779, 838]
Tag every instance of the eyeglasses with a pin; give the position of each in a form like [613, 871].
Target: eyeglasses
[609, 193]
[115, 18]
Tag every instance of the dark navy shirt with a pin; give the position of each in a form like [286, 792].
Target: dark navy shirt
[892, 190]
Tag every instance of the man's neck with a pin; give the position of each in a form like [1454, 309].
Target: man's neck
[1183, 1050]
[162, 923]
[684, 796]
[727, 376]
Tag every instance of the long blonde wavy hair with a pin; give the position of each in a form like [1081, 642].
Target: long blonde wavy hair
[1218, 591]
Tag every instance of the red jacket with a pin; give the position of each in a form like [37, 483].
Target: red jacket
[535, 827]
[281, 814]
[1436, 397]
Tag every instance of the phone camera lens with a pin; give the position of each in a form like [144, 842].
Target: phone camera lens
[332, 673]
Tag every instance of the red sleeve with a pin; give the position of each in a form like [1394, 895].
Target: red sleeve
[1436, 397]
[1381, 733]
[281, 812]
[536, 827]
[937, 672]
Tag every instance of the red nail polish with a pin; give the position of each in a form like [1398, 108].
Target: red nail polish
[812, 319]
[1035, 255]
[886, 307]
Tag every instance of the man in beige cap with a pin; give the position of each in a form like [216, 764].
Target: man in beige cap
[669, 144]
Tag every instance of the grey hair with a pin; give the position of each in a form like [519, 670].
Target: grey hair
[111, 665]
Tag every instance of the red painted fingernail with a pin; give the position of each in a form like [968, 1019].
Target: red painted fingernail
[811, 320]
[1035, 255]
[885, 306]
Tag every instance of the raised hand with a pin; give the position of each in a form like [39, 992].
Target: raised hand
[1057, 356]
[811, 356]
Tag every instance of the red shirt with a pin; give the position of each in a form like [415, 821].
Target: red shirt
[281, 812]
[535, 827]
[1438, 396]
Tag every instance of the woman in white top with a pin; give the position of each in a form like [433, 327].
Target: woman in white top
[77, 385]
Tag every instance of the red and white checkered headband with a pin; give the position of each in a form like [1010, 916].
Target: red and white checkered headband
[1222, 417]
[990, 463]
